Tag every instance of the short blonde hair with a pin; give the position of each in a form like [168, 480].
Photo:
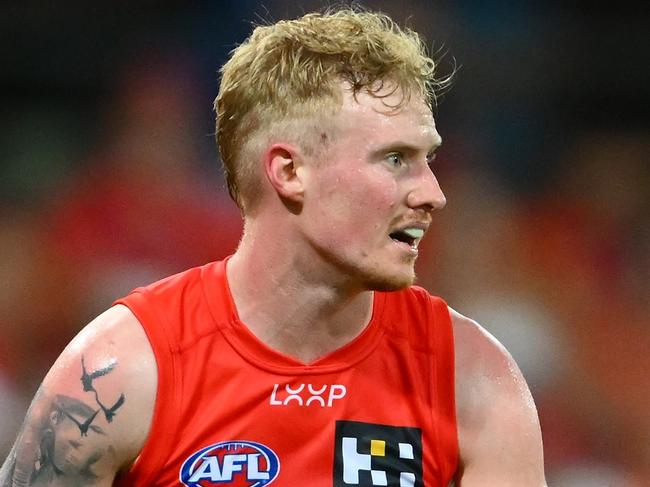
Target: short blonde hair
[292, 70]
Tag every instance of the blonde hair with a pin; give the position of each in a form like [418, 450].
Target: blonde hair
[286, 73]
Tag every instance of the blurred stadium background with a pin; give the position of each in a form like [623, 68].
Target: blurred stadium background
[109, 178]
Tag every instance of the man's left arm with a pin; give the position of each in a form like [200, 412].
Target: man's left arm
[499, 435]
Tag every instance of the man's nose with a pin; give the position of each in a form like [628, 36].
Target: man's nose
[427, 193]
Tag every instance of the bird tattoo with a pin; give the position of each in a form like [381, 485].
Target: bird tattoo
[83, 427]
[87, 379]
[110, 412]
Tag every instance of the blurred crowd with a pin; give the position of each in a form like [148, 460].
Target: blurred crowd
[112, 181]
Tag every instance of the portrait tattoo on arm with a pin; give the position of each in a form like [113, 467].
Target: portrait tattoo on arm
[57, 445]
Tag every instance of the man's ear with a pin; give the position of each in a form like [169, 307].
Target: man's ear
[281, 164]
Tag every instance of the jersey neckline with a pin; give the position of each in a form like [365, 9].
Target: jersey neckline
[224, 313]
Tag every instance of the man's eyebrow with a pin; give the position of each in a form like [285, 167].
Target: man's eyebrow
[406, 147]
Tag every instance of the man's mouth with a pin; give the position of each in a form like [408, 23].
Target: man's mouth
[410, 236]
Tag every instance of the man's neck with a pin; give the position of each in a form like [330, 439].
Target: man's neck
[291, 306]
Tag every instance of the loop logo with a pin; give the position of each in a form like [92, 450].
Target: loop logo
[231, 464]
[307, 394]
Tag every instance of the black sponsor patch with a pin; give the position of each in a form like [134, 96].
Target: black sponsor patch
[369, 455]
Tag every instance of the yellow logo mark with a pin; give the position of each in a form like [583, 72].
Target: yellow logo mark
[377, 448]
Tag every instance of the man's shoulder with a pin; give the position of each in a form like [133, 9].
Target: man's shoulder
[116, 375]
[478, 354]
[98, 397]
[498, 430]
[113, 352]
[487, 377]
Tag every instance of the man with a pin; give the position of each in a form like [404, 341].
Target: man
[307, 358]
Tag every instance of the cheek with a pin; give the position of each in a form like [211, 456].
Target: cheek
[376, 199]
[355, 212]
[360, 190]
[352, 204]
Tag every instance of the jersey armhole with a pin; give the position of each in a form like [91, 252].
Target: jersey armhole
[163, 430]
[444, 387]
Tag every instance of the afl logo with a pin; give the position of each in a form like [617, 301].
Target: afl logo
[231, 463]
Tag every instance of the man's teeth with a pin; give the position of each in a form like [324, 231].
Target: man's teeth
[414, 233]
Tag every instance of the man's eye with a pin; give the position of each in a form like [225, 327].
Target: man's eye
[395, 159]
[431, 158]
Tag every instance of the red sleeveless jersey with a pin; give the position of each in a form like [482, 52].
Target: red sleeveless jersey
[232, 412]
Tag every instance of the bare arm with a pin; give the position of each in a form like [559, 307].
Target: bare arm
[498, 428]
[92, 413]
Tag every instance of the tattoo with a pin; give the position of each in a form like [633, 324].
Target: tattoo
[83, 427]
[7, 470]
[87, 379]
[87, 382]
[56, 446]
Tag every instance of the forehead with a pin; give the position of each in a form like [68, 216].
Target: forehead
[375, 116]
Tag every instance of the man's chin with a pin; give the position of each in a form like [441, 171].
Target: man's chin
[390, 283]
